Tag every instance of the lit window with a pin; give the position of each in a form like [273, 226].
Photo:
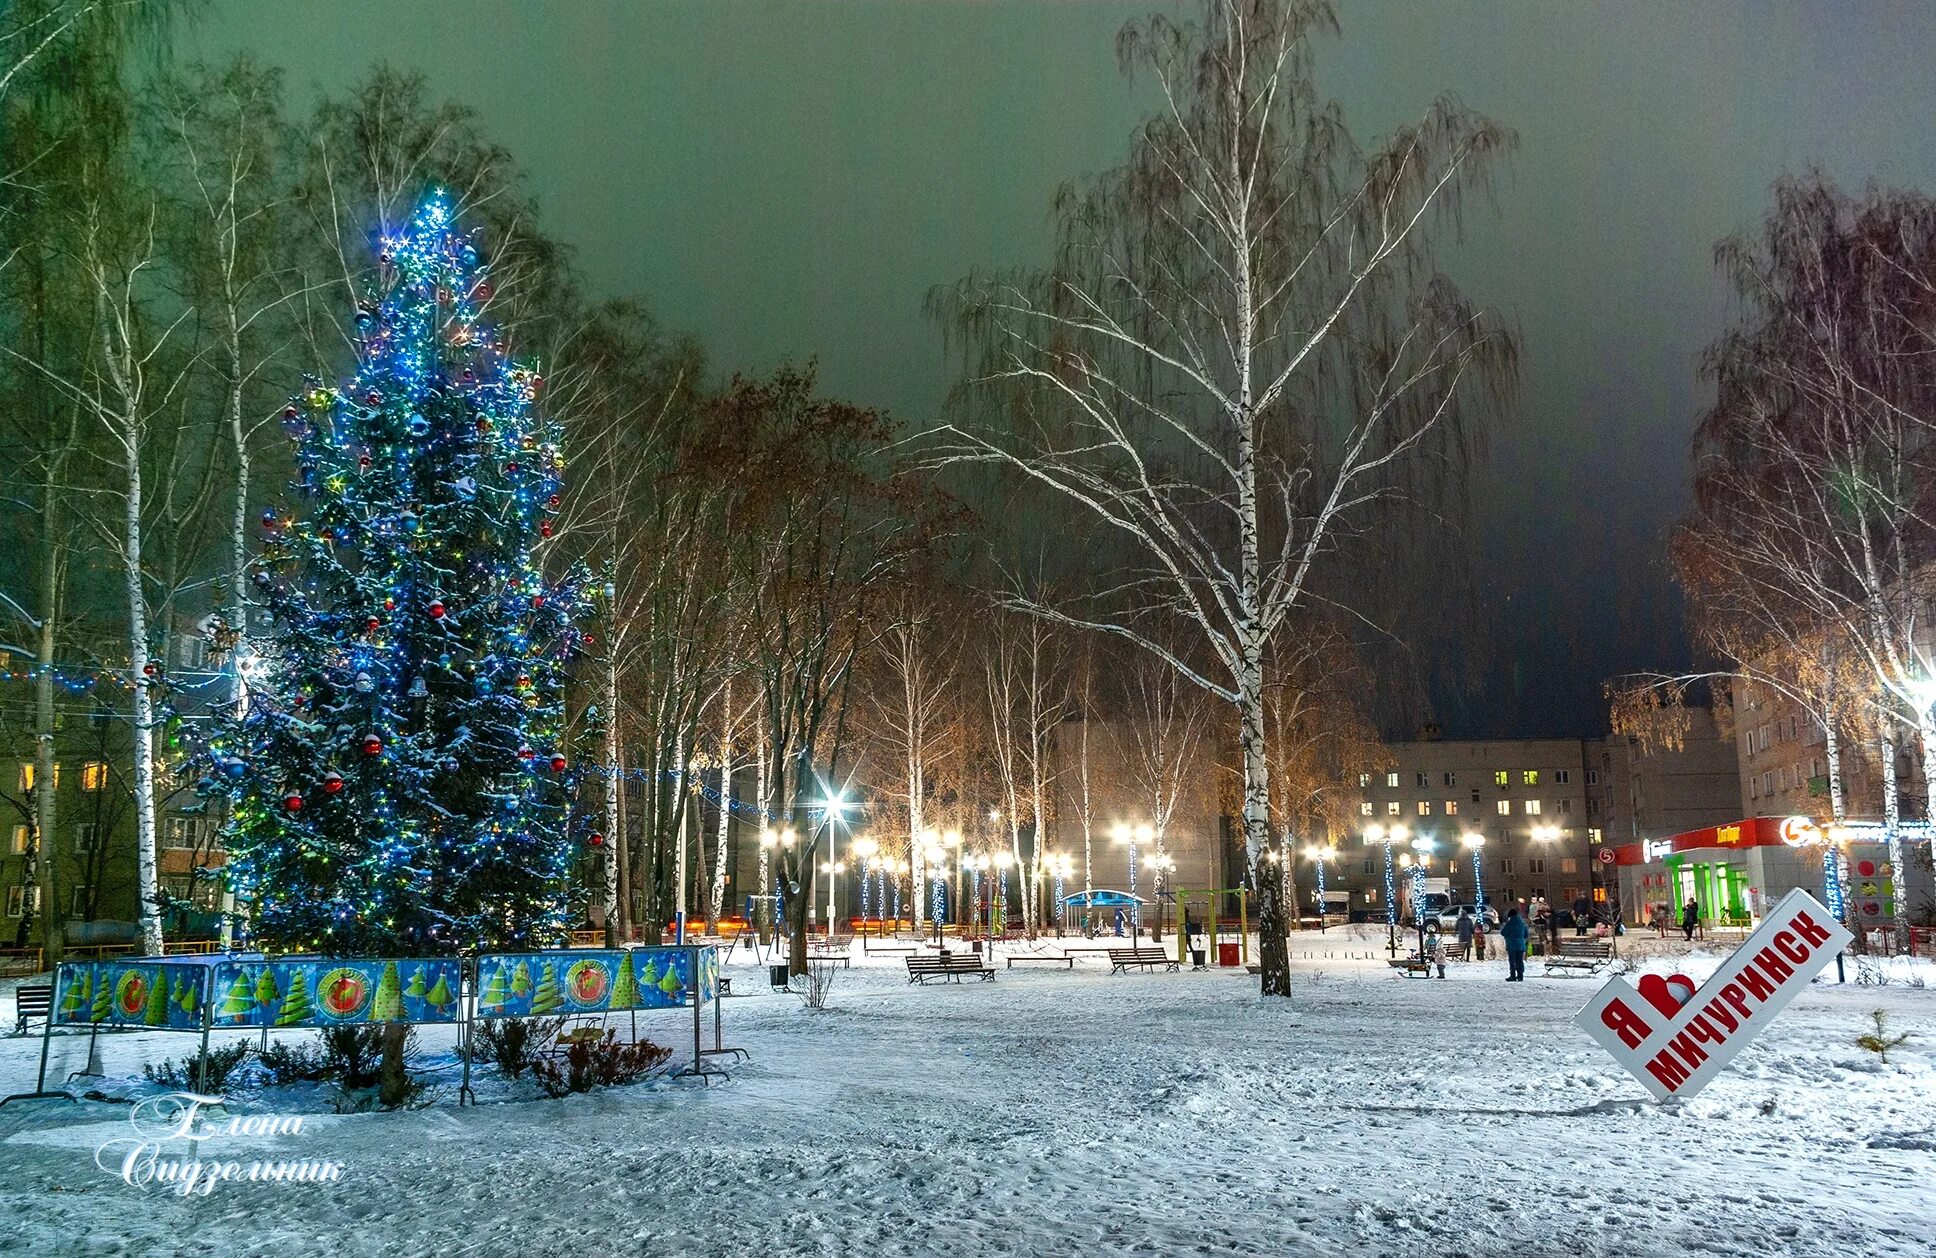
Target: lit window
[1364, 779]
[1532, 808]
[1364, 809]
[1599, 895]
[1529, 777]
[1593, 835]
[1391, 779]
[1502, 778]
[20, 840]
[1505, 808]
[94, 775]
[1424, 807]
[28, 776]
[1569, 865]
[1391, 808]
[1451, 807]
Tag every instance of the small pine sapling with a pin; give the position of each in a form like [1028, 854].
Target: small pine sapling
[1879, 1041]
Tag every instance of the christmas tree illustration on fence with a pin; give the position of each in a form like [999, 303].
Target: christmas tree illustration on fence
[439, 997]
[495, 996]
[625, 988]
[521, 980]
[295, 1004]
[388, 1006]
[547, 1000]
[156, 1014]
[186, 996]
[266, 994]
[670, 984]
[103, 997]
[416, 989]
[76, 998]
[240, 1002]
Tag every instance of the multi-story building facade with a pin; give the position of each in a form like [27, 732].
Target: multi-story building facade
[1546, 814]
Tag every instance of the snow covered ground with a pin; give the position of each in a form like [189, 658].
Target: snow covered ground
[1052, 1112]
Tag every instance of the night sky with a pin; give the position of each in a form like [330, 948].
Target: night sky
[787, 179]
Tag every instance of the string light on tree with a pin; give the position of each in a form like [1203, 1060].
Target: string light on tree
[388, 800]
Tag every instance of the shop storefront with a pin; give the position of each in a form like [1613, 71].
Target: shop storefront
[1734, 873]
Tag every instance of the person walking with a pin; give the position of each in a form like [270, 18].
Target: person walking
[1479, 939]
[1515, 933]
[1464, 931]
[1582, 914]
[1690, 918]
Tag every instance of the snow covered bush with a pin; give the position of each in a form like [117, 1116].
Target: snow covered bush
[813, 986]
[203, 1071]
[600, 1063]
[288, 1064]
[513, 1044]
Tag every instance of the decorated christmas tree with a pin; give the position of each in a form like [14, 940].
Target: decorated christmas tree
[388, 1005]
[439, 997]
[156, 1013]
[625, 987]
[547, 998]
[398, 778]
[240, 1002]
[295, 1003]
[76, 997]
[495, 996]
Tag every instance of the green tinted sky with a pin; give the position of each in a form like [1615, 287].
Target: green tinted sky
[786, 179]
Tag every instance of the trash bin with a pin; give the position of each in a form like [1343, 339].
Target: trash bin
[1227, 954]
[777, 974]
[1196, 958]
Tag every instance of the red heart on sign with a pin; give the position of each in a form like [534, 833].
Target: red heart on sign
[1667, 994]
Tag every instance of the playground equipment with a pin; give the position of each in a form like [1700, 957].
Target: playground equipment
[1211, 897]
[1109, 904]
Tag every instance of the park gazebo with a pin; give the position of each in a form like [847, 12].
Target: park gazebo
[1101, 900]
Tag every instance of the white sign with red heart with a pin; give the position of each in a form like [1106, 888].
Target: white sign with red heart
[1674, 1037]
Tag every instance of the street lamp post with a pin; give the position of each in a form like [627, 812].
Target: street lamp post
[1475, 843]
[1379, 834]
[1318, 856]
[864, 850]
[1160, 864]
[1130, 837]
[1421, 857]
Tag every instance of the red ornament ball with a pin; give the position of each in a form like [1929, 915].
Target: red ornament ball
[544, 528]
[332, 782]
[483, 424]
[292, 801]
[374, 398]
[372, 745]
[537, 600]
[595, 839]
[436, 610]
[389, 604]
[557, 764]
[552, 501]
[372, 625]
[149, 669]
[525, 753]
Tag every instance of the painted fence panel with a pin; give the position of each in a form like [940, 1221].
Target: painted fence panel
[335, 992]
[127, 993]
[552, 984]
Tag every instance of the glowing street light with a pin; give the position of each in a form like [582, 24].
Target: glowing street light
[1318, 855]
[1475, 843]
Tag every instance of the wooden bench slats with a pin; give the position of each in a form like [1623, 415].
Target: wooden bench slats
[34, 1000]
[1120, 959]
[951, 967]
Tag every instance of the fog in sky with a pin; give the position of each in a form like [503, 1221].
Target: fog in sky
[786, 179]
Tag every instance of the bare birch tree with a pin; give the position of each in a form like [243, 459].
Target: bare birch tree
[1241, 356]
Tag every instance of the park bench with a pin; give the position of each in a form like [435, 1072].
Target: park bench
[1588, 956]
[888, 945]
[1046, 959]
[951, 967]
[1120, 959]
[840, 959]
[32, 1001]
[19, 961]
[1413, 966]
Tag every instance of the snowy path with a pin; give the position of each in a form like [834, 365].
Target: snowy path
[1053, 1113]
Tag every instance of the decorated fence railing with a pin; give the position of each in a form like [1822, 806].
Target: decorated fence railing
[321, 992]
